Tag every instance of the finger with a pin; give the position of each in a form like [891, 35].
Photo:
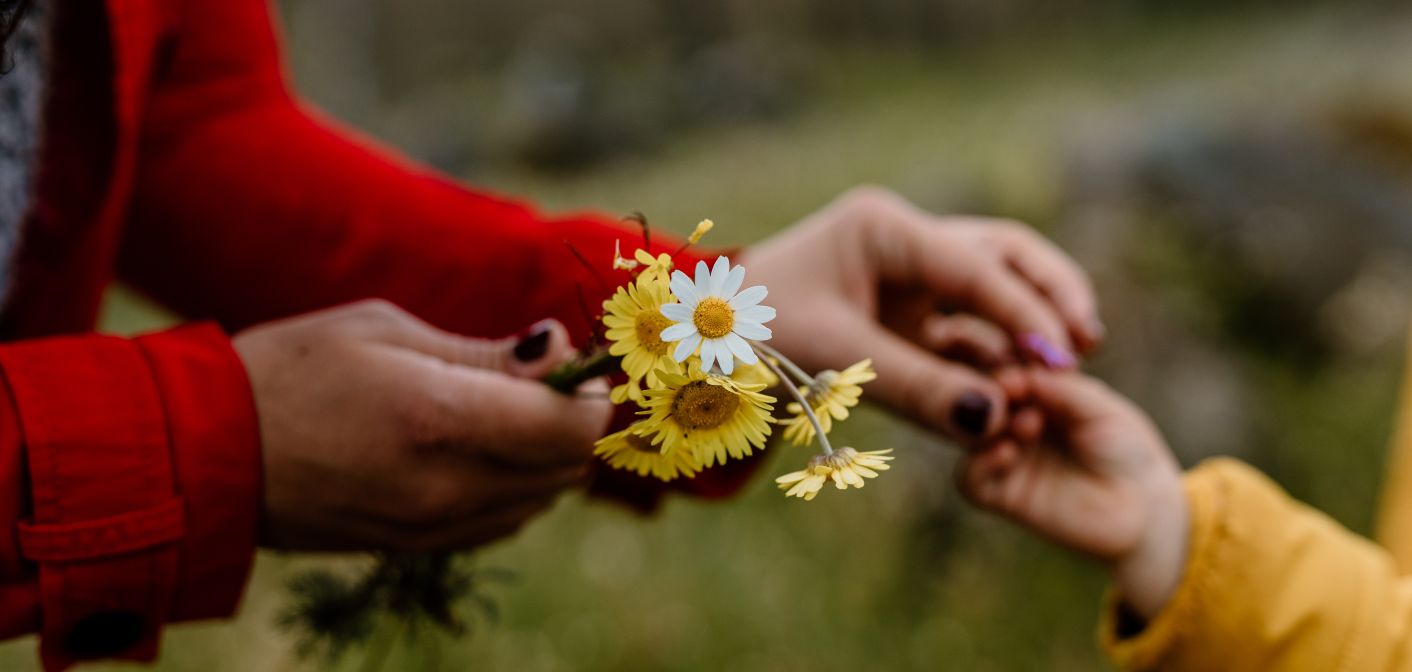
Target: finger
[988, 287]
[940, 394]
[532, 354]
[521, 422]
[479, 529]
[1027, 425]
[981, 477]
[1015, 382]
[1074, 399]
[966, 338]
[464, 487]
[1059, 278]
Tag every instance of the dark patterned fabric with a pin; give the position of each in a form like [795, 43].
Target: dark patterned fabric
[21, 101]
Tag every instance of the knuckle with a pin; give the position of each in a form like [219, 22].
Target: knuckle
[423, 418]
[377, 310]
[869, 201]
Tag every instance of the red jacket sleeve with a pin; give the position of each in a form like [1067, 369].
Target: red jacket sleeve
[249, 206]
[129, 472]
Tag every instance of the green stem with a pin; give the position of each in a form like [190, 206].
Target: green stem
[764, 352]
[799, 375]
[581, 369]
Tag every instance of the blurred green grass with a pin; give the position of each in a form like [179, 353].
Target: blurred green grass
[901, 575]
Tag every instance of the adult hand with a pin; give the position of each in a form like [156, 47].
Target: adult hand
[382, 432]
[870, 276]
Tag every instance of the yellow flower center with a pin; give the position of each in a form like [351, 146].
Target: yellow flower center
[650, 324]
[642, 444]
[713, 318]
[701, 405]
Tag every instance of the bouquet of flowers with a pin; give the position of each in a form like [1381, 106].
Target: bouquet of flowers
[692, 349]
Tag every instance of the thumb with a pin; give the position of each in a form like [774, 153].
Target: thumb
[531, 354]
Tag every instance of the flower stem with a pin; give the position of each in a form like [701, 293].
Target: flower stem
[799, 375]
[582, 369]
[767, 357]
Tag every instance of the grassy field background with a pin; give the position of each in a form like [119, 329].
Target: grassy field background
[902, 575]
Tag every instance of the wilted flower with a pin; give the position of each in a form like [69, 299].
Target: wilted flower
[830, 395]
[846, 467]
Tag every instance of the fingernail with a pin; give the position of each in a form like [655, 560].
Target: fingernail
[534, 343]
[971, 413]
[1053, 356]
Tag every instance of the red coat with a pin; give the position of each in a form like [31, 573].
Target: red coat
[176, 159]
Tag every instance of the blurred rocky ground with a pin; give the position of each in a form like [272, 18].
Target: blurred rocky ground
[1283, 238]
[561, 85]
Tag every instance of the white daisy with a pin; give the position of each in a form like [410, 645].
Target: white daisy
[713, 316]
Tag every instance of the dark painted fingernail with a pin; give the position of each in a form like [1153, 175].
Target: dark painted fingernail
[534, 343]
[971, 414]
[1051, 355]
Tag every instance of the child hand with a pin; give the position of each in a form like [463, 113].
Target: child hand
[1085, 468]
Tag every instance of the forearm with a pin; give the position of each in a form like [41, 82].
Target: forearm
[300, 215]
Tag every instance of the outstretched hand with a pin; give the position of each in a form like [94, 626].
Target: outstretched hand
[1085, 468]
[870, 276]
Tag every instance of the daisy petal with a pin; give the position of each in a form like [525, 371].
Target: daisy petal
[677, 312]
[677, 332]
[733, 280]
[761, 314]
[686, 346]
[708, 353]
[718, 276]
[749, 297]
[723, 356]
[741, 349]
[684, 289]
[749, 329]
[703, 279]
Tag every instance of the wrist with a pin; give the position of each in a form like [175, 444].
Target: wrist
[1148, 576]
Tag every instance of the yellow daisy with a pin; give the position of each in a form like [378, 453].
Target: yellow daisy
[632, 451]
[635, 322]
[831, 395]
[845, 467]
[710, 415]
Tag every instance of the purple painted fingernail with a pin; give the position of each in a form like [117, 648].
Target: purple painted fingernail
[1051, 355]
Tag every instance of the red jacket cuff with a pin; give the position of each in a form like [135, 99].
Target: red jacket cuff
[143, 469]
[215, 445]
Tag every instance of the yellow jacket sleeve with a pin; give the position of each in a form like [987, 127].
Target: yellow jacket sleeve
[1271, 585]
[1395, 518]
